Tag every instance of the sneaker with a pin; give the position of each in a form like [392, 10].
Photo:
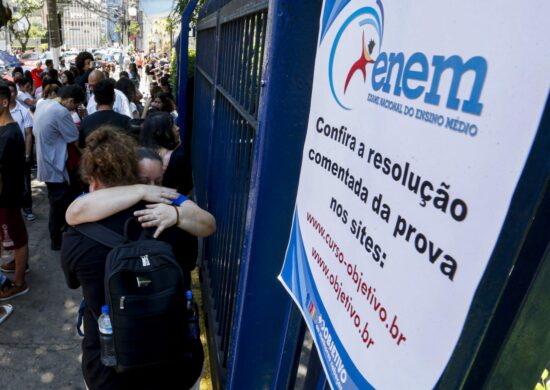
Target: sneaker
[5, 311]
[9, 268]
[12, 290]
[29, 216]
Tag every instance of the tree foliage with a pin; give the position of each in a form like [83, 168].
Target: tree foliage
[133, 28]
[20, 25]
[179, 7]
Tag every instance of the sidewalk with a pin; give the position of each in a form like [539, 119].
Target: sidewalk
[39, 346]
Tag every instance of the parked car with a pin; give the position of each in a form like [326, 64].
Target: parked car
[47, 55]
[29, 59]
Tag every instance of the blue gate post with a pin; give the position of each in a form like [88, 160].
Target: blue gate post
[183, 62]
[264, 310]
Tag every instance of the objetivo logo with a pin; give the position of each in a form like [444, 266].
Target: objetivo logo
[365, 24]
[356, 57]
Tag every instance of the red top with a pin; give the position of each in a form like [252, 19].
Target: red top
[35, 73]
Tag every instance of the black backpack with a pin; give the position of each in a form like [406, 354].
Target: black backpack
[145, 290]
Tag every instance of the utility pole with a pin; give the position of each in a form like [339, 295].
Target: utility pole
[125, 27]
[54, 33]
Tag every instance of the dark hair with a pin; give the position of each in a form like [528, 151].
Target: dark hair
[127, 87]
[148, 153]
[134, 128]
[157, 131]
[9, 83]
[49, 62]
[76, 92]
[123, 74]
[110, 157]
[50, 80]
[70, 77]
[23, 81]
[28, 75]
[104, 92]
[53, 73]
[154, 90]
[80, 60]
[168, 103]
[17, 69]
[133, 67]
[5, 92]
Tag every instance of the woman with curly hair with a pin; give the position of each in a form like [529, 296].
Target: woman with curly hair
[110, 165]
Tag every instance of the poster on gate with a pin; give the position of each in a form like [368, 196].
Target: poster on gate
[422, 118]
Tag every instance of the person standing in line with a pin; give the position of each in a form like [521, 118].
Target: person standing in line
[36, 74]
[122, 105]
[24, 119]
[84, 67]
[104, 95]
[13, 233]
[53, 130]
[24, 95]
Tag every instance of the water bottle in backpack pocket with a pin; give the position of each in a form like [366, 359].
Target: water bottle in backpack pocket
[144, 287]
[106, 342]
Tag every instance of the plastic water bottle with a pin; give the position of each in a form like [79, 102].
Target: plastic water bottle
[193, 316]
[106, 338]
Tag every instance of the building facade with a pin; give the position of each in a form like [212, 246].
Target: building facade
[83, 28]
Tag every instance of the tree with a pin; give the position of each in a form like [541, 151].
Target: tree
[5, 14]
[170, 25]
[179, 7]
[20, 25]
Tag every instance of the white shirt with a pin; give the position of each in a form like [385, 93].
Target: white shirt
[122, 105]
[53, 130]
[22, 116]
[22, 96]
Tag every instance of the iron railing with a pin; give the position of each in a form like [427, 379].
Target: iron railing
[230, 44]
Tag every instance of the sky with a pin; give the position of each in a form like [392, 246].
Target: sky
[154, 7]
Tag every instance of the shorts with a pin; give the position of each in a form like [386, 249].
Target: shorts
[13, 233]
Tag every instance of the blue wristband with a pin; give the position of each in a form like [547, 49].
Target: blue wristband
[180, 199]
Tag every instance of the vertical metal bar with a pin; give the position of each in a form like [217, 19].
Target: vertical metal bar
[282, 122]
[261, 69]
[224, 181]
[289, 355]
[238, 39]
[242, 60]
[256, 64]
[315, 379]
[234, 54]
[229, 198]
[249, 58]
[182, 66]
[213, 103]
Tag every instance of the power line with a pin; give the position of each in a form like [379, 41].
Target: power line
[101, 13]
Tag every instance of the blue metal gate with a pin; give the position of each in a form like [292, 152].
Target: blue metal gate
[238, 142]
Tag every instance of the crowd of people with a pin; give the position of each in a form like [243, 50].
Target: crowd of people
[109, 139]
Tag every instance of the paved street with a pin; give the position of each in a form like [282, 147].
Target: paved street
[39, 347]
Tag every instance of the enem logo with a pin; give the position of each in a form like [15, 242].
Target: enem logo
[394, 73]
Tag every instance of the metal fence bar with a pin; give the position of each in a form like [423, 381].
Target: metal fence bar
[229, 140]
[182, 66]
[262, 303]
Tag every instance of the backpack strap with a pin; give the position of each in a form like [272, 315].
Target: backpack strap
[101, 234]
